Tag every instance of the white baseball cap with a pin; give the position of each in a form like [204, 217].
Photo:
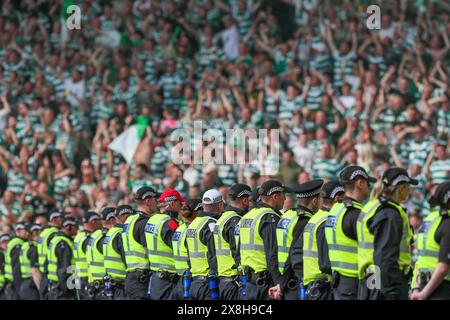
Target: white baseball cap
[212, 196]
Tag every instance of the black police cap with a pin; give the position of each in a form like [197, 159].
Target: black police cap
[21, 226]
[4, 237]
[69, 221]
[107, 213]
[271, 186]
[441, 195]
[55, 214]
[194, 204]
[255, 195]
[332, 188]
[309, 189]
[124, 209]
[34, 227]
[145, 193]
[395, 176]
[91, 216]
[239, 190]
[352, 173]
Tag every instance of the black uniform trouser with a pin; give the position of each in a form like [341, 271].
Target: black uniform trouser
[178, 290]
[136, 285]
[43, 287]
[119, 292]
[12, 290]
[82, 292]
[2, 294]
[199, 289]
[442, 292]
[254, 292]
[55, 292]
[28, 290]
[161, 286]
[364, 293]
[229, 288]
[344, 288]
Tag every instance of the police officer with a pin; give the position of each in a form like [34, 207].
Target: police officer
[341, 235]
[115, 266]
[134, 244]
[255, 198]
[91, 222]
[228, 258]
[29, 265]
[201, 249]
[61, 282]
[316, 262]
[258, 241]
[54, 222]
[290, 230]
[189, 211]
[433, 262]
[94, 255]
[385, 238]
[13, 275]
[158, 233]
[4, 239]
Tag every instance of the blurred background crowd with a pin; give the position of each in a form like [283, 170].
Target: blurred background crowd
[339, 93]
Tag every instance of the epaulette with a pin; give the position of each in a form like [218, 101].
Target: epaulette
[348, 203]
[303, 213]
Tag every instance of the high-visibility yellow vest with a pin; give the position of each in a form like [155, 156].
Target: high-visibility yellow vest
[342, 250]
[13, 243]
[114, 265]
[94, 258]
[160, 255]
[253, 254]
[25, 263]
[80, 254]
[42, 247]
[135, 254]
[180, 251]
[366, 238]
[2, 274]
[226, 266]
[311, 270]
[285, 234]
[428, 257]
[197, 250]
[53, 259]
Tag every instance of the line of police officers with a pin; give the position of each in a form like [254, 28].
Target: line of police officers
[330, 247]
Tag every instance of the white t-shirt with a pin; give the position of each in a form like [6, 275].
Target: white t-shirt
[3, 119]
[75, 89]
[230, 40]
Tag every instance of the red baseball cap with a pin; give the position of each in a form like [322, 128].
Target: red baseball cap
[170, 195]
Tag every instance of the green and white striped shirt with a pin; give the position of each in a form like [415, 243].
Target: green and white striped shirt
[440, 171]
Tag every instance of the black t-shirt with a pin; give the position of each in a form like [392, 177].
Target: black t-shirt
[442, 236]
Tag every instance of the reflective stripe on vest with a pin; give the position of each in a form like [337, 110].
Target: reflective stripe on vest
[13, 243]
[428, 248]
[285, 233]
[180, 252]
[226, 265]
[160, 255]
[95, 259]
[251, 243]
[42, 247]
[25, 262]
[311, 270]
[197, 250]
[80, 254]
[53, 259]
[135, 254]
[342, 250]
[114, 265]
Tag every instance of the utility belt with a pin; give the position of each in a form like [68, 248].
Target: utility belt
[142, 275]
[292, 284]
[117, 282]
[317, 287]
[165, 275]
[236, 279]
[260, 279]
[31, 285]
[94, 287]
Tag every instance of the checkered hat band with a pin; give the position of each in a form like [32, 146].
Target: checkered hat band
[170, 198]
[274, 189]
[358, 173]
[336, 191]
[148, 193]
[197, 207]
[110, 215]
[309, 194]
[400, 178]
[94, 217]
[125, 211]
[244, 193]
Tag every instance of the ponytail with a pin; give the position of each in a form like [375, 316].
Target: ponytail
[377, 189]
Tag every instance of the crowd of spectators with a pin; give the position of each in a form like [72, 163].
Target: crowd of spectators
[338, 92]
